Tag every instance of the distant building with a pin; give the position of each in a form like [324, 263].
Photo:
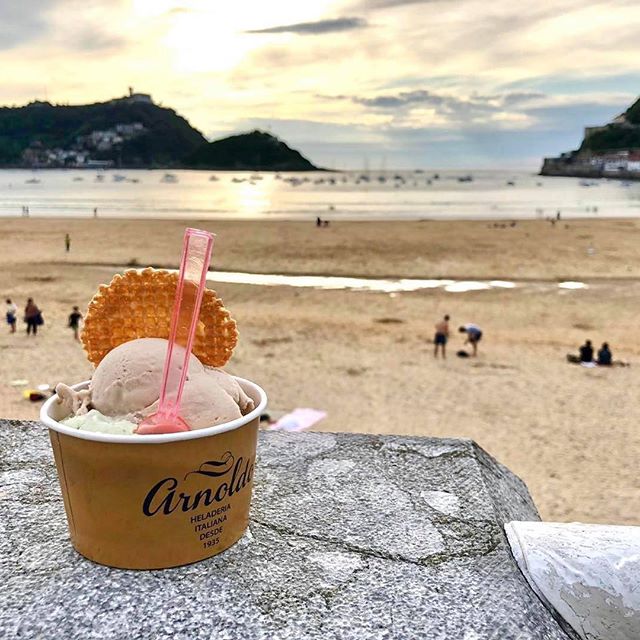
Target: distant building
[140, 97]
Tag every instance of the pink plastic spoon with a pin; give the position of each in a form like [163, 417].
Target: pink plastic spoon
[196, 255]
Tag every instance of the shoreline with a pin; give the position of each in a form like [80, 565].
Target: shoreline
[593, 280]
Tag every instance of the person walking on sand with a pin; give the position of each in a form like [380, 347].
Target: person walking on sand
[74, 322]
[474, 335]
[67, 242]
[32, 316]
[441, 337]
[11, 315]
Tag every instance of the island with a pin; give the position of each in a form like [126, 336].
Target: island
[611, 150]
[130, 132]
[255, 151]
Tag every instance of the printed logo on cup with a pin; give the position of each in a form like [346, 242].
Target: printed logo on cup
[229, 476]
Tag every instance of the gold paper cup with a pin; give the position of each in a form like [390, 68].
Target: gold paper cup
[156, 501]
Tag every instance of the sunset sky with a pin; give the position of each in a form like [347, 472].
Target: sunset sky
[389, 83]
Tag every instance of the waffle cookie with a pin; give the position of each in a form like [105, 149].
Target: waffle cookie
[138, 304]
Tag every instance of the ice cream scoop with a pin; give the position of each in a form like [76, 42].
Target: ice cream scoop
[126, 385]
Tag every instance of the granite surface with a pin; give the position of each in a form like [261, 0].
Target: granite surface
[351, 536]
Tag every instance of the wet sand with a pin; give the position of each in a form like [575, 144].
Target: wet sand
[366, 358]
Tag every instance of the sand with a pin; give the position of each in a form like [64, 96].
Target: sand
[366, 358]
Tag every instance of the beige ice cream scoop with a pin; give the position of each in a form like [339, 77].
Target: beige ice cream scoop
[127, 382]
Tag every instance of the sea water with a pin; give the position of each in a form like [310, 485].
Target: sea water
[351, 195]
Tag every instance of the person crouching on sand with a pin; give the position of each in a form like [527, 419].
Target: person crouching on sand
[74, 322]
[474, 335]
[441, 337]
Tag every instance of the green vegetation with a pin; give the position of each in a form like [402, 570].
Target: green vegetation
[167, 137]
[617, 136]
[255, 151]
[614, 137]
[633, 113]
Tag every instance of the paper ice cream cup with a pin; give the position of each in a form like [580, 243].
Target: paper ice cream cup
[156, 501]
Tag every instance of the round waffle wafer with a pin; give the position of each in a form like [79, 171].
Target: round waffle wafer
[138, 304]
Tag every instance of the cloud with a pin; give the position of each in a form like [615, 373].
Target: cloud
[22, 21]
[92, 39]
[387, 4]
[317, 27]
[452, 107]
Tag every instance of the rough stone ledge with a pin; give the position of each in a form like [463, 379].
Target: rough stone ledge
[351, 536]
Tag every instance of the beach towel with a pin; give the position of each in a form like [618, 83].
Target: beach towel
[298, 420]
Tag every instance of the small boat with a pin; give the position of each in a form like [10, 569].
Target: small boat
[465, 179]
[213, 178]
[32, 181]
[511, 183]
[237, 180]
[78, 179]
[118, 178]
[169, 178]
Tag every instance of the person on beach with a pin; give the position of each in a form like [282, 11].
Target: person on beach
[11, 315]
[441, 337]
[586, 352]
[32, 316]
[605, 357]
[67, 242]
[474, 335]
[75, 317]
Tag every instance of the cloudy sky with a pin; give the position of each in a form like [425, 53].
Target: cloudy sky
[351, 83]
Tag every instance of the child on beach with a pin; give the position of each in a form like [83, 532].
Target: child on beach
[74, 322]
[11, 315]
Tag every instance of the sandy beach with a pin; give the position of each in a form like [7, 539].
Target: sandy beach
[367, 358]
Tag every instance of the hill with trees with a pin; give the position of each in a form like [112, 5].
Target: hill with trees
[130, 132]
[254, 151]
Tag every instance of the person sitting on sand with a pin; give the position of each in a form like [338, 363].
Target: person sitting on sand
[474, 335]
[11, 315]
[604, 355]
[441, 337]
[32, 317]
[586, 352]
[74, 322]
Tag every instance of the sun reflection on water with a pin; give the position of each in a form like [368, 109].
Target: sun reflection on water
[251, 198]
